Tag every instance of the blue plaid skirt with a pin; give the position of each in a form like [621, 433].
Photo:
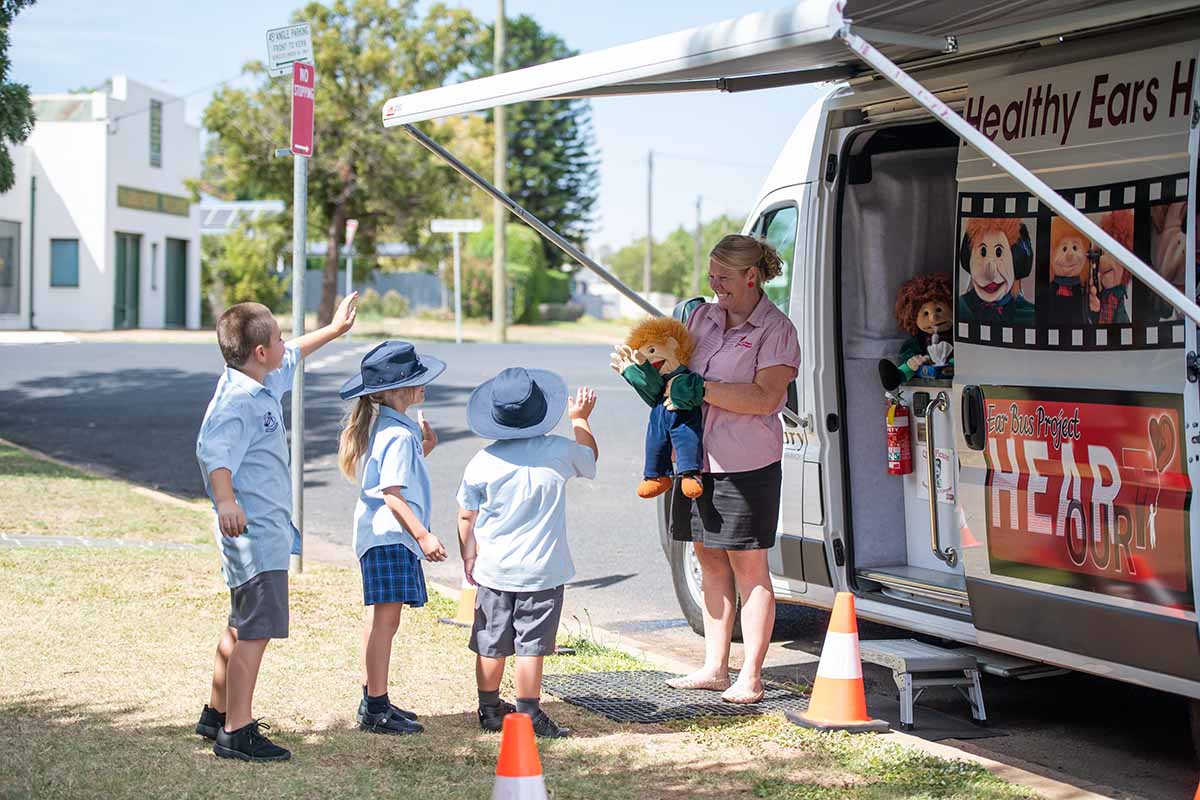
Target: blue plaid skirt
[392, 574]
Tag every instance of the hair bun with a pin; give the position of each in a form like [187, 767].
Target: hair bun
[770, 262]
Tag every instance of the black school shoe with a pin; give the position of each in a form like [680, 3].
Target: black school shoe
[388, 722]
[362, 709]
[249, 744]
[547, 728]
[491, 718]
[210, 722]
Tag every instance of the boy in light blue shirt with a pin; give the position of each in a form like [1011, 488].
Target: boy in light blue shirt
[512, 530]
[243, 453]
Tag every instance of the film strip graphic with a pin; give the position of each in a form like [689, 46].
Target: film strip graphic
[1151, 326]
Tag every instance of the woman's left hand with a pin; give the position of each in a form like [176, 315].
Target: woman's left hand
[429, 437]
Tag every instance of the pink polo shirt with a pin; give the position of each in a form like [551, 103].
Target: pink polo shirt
[740, 442]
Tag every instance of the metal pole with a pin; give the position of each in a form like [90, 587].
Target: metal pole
[299, 270]
[649, 222]
[529, 219]
[699, 246]
[499, 218]
[349, 279]
[457, 293]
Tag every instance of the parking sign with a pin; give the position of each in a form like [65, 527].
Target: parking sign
[303, 95]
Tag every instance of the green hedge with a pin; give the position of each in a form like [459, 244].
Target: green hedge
[533, 281]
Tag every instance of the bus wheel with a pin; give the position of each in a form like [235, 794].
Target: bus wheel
[685, 575]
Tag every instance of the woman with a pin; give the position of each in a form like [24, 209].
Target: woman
[747, 351]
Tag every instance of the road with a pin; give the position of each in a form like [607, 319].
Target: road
[132, 410]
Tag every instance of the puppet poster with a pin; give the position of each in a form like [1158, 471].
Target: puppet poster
[1089, 490]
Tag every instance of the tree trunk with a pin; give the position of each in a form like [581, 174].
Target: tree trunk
[329, 282]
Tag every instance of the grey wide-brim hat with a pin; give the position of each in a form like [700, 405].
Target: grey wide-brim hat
[518, 403]
[391, 365]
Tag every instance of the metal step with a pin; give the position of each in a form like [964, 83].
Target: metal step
[944, 587]
[1005, 666]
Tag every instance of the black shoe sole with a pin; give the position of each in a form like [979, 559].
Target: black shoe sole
[387, 731]
[563, 734]
[226, 752]
[207, 731]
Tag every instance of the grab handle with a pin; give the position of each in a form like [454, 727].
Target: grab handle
[974, 427]
[949, 555]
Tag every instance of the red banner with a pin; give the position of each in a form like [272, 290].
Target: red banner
[1088, 490]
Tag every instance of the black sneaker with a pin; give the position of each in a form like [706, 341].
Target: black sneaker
[362, 709]
[389, 722]
[491, 718]
[547, 728]
[210, 722]
[249, 744]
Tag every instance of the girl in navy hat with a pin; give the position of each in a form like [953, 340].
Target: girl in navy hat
[391, 518]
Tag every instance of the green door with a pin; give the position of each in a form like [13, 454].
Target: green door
[128, 288]
[176, 283]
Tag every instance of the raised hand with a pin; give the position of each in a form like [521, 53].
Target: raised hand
[346, 314]
[580, 406]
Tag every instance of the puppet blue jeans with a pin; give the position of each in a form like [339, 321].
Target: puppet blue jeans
[679, 429]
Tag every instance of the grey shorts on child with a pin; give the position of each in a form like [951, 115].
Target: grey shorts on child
[516, 623]
[258, 609]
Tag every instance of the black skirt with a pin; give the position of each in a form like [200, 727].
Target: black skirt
[738, 510]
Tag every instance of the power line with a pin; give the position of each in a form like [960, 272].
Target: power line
[178, 98]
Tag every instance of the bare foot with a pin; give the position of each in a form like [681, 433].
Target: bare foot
[709, 680]
[744, 692]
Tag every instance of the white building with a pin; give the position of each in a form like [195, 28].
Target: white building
[99, 230]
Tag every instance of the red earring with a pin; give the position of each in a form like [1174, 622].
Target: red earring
[750, 284]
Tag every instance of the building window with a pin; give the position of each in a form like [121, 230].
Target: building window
[10, 259]
[156, 133]
[64, 262]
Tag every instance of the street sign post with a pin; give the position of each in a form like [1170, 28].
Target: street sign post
[351, 229]
[289, 49]
[286, 46]
[304, 79]
[456, 227]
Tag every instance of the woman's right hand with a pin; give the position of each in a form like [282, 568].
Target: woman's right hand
[431, 547]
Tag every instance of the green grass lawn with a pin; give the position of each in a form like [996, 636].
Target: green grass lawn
[108, 656]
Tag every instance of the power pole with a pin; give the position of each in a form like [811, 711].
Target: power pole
[696, 264]
[649, 222]
[499, 216]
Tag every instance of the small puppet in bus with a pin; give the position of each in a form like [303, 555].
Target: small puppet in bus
[1108, 303]
[924, 310]
[996, 253]
[653, 361]
[1070, 274]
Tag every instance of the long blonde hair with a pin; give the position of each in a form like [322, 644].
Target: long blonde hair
[360, 421]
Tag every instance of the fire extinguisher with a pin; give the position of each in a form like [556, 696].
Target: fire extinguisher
[899, 445]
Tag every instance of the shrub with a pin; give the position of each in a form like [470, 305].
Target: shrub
[394, 304]
[369, 302]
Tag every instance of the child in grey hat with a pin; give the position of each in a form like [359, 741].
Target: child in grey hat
[512, 530]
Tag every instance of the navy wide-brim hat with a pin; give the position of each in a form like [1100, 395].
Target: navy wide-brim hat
[517, 404]
[391, 365]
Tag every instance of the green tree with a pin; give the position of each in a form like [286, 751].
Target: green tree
[366, 51]
[673, 265]
[16, 109]
[552, 161]
[240, 266]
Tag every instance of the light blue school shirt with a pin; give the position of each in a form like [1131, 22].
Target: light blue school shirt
[243, 432]
[519, 488]
[395, 457]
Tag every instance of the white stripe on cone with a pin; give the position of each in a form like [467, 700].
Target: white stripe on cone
[840, 657]
[532, 787]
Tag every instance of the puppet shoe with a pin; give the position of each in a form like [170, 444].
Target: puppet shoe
[692, 487]
[653, 487]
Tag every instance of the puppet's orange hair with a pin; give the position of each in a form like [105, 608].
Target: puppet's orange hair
[659, 329]
[1119, 225]
[916, 292]
[978, 226]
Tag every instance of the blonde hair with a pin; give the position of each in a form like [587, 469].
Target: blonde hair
[360, 421]
[659, 329]
[738, 251]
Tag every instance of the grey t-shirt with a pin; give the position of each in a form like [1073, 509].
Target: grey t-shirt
[519, 488]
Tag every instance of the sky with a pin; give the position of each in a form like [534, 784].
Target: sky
[715, 146]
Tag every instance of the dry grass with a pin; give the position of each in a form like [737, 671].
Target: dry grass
[43, 498]
[108, 659]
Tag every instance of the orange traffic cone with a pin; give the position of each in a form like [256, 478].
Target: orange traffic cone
[464, 615]
[838, 701]
[518, 770]
[965, 537]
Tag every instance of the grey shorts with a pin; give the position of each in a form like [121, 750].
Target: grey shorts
[258, 609]
[516, 623]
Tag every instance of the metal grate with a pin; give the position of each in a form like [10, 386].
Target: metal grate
[644, 697]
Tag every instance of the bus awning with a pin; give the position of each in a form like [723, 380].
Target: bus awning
[772, 48]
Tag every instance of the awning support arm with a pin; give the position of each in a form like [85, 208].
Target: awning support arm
[1034, 184]
[936, 44]
[529, 219]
